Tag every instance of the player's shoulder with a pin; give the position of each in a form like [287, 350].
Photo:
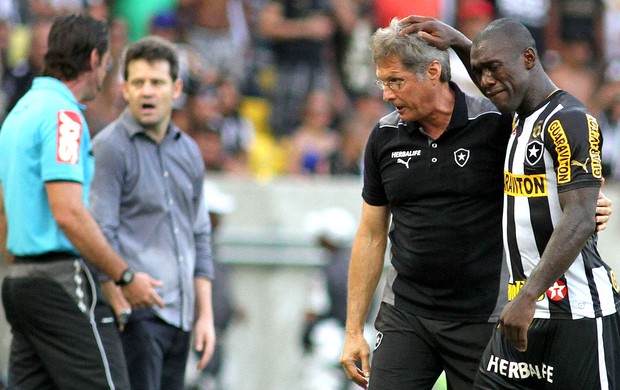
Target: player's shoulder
[42, 102]
[568, 106]
[187, 143]
[391, 120]
[184, 139]
[111, 140]
[479, 106]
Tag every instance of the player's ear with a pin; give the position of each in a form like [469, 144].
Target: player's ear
[529, 58]
[178, 87]
[434, 72]
[94, 59]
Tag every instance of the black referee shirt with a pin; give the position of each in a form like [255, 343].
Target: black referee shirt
[445, 196]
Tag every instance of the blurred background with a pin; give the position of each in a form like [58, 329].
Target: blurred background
[280, 97]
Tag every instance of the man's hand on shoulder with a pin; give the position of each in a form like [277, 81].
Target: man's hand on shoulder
[603, 212]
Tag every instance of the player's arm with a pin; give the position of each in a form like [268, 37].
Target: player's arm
[72, 217]
[8, 257]
[367, 257]
[576, 225]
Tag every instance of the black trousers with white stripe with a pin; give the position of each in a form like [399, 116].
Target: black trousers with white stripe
[64, 336]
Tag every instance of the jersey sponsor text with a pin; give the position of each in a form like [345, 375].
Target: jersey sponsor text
[68, 137]
[525, 185]
[406, 153]
[514, 288]
[562, 148]
[520, 370]
[594, 136]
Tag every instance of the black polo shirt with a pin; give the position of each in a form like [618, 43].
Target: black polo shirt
[445, 196]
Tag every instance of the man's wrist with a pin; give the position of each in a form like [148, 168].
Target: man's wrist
[125, 278]
[123, 316]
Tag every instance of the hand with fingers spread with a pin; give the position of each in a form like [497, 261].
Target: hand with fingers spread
[436, 32]
[140, 292]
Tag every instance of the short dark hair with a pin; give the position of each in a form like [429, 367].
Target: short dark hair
[508, 32]
[70, 43]
[152, 49]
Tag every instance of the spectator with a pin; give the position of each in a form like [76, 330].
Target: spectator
[301, 36]
[576, 20]
[534, 14]
[192, 70]
[203, 116]
[314, 141]
[218, 31]
[356, 68]
[236, 132]
[138, 14]
[386, 10]
[18, 80]
[473, 16]
[348, 158]
[611, 38]
[575, 72]
[609, 119]
[108, 105]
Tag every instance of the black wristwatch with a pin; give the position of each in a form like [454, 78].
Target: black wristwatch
[126, 277]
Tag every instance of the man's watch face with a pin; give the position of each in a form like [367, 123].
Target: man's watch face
[126, 277]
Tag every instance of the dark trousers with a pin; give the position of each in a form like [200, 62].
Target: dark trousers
[64, 337]
[561, 354]
[156, 352]
[412, 351]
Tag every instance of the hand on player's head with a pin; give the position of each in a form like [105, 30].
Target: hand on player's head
[432, 30]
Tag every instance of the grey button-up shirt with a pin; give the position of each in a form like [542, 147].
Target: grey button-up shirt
[147, 198]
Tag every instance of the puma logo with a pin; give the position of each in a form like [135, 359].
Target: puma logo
[405, 163]
[584, 165]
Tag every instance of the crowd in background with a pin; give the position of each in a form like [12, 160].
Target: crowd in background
[287, 87]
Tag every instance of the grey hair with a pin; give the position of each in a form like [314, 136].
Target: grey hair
[413, 51]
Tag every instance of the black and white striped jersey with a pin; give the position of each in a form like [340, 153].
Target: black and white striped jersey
[556, 148]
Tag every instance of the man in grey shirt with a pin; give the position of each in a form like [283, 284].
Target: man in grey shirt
[147, 197]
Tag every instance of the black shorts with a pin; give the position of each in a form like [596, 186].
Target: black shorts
[561, 354]
[411, 351]
[64, 337]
